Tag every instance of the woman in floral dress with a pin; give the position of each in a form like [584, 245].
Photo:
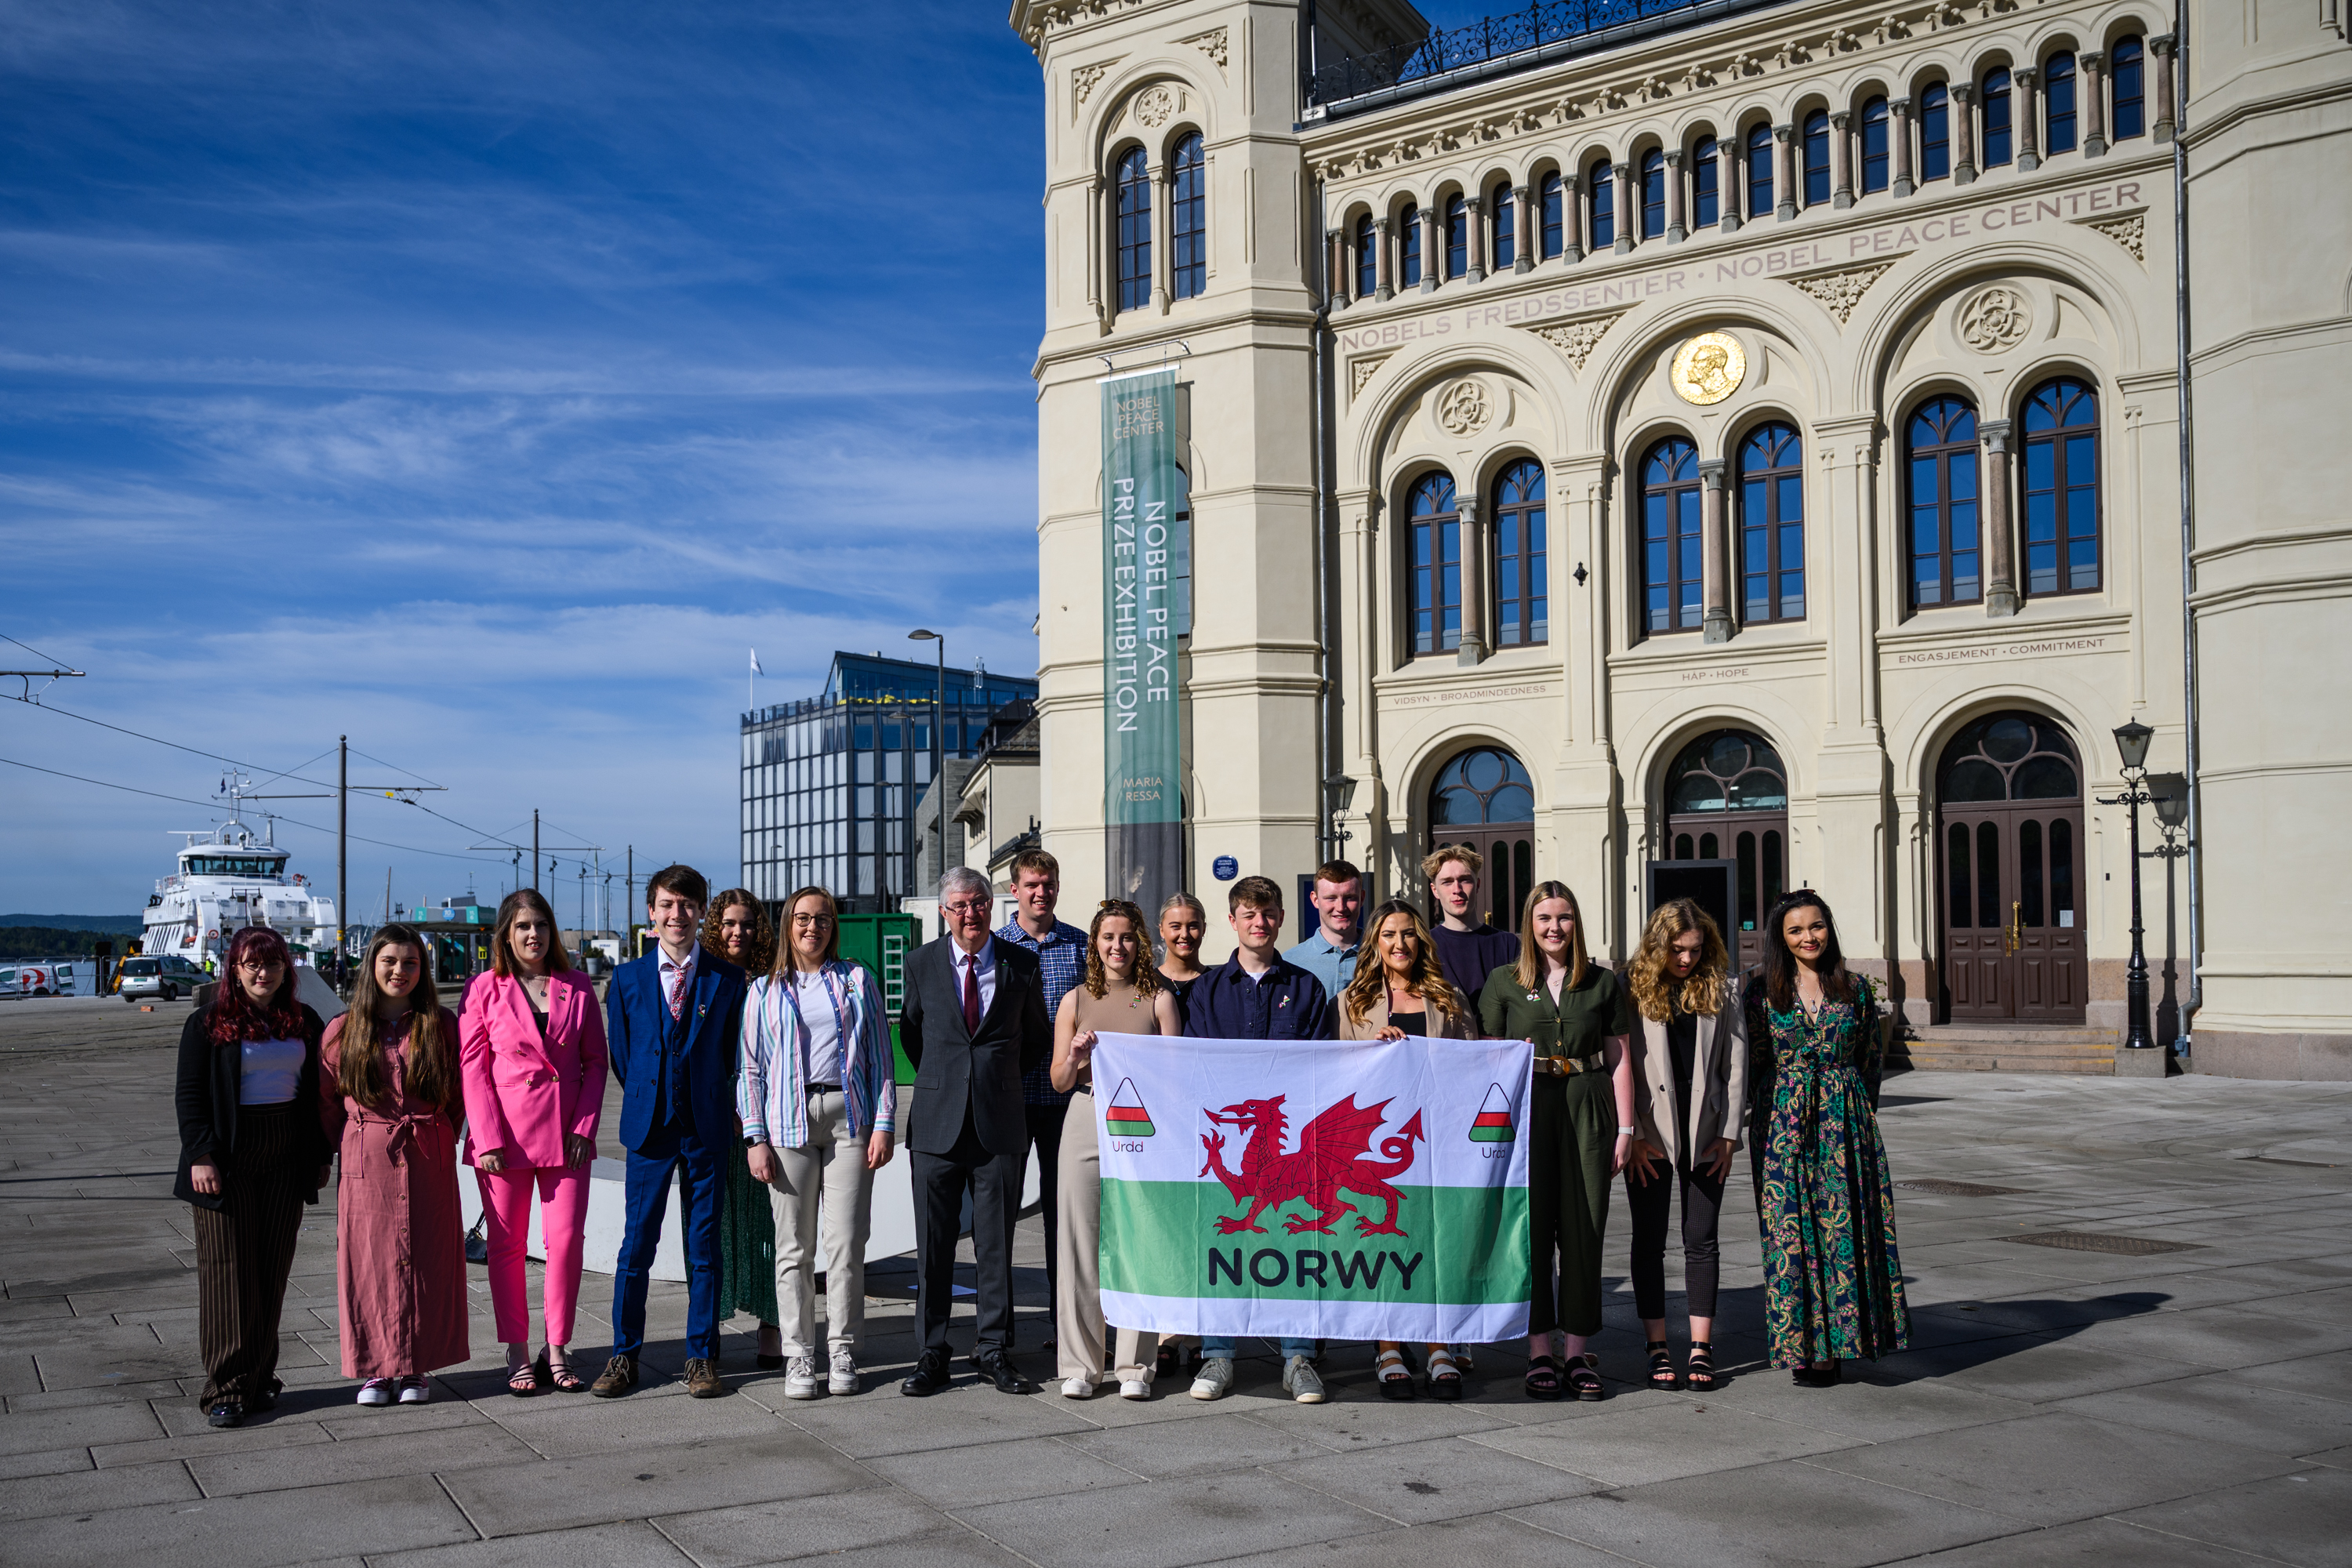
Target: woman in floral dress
[1832, 1284]
[736, 930]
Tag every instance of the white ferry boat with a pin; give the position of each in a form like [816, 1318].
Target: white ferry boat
[227, 882]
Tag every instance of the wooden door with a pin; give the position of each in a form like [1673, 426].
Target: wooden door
[2011, 877]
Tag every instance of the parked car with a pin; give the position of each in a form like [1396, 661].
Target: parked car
[166, 978]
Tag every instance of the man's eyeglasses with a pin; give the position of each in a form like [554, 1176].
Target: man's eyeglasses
[967, 906]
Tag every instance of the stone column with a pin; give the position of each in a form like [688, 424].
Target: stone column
[1715, 553]
[1899, 128]
[1730, 186]
[2160, 48]
[1677, 230]
[1571, 219]
[1784, 171]
[1841, 159]
[1343, 275]
[1433, 259]
[1474, 581]
[1162, 215]
[1101, 259]
[2025, 113]
[1964, 133]
[1527, 231]
[1474, 219]
[1999, 531]
[1628, 212]
[2094, 102]
[1384, 259]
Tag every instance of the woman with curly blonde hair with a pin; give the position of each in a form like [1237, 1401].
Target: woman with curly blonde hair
[736, 930]
[1690, 1082]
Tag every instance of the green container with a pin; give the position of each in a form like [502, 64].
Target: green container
[882, 943]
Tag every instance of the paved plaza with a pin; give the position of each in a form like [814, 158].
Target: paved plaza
[2190, 1406]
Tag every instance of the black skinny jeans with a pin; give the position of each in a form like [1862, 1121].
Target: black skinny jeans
[1702, 1202]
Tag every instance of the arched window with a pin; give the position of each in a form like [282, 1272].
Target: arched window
[1727, 799]
[1654, 195]
[1457, 236]
[1485, 798]
[1188, 222]
[1772, 525]
[1436, 570]
[1935, 133]
[1133, 190]
[1554, 215]
[1817, 157]
[1759, 171]
[1997, 142]
[1367, 257]
[2058, 104]
[1505, 209]
[1520, 617]
[1409, 248]
[1706, 169]
[2129, 75]
[1670, 539]
[1940, 459]
[1875, 147]
[1604, 206]
[2062, 488]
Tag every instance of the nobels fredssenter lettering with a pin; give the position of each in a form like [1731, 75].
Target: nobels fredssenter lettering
[1315, 1189]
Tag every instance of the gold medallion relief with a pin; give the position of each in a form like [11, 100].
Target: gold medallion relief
[1709, 368]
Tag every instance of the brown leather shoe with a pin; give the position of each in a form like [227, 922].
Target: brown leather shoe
[702, 1379]
[619, 1376]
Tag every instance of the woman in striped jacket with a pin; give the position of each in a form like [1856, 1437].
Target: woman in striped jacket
[819, 1102]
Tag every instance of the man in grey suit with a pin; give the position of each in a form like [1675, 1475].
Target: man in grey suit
[974, 1022]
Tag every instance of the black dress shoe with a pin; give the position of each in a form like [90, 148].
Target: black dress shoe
[264, 1400]
[930, 1375]
[998, 1368]
[225, 1413]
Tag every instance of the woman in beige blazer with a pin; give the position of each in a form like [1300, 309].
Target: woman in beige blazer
[1399, 990]
[1690, 1078]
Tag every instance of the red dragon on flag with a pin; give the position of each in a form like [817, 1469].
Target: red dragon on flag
[1330, 1157]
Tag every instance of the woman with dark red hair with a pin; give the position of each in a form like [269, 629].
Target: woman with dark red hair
[251, 1155]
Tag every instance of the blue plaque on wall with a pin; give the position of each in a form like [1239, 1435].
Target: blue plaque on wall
[1226, 867]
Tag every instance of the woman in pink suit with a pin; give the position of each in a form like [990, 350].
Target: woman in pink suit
[533, 1055]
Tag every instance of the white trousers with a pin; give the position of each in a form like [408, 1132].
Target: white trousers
[828, 1172]
[1078, 1329]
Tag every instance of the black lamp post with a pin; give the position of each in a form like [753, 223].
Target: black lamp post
[2131, 741]
[2171, 792]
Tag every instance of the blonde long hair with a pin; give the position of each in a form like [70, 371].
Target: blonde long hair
[431, 1066]
[1372, 977]
[1530, 970]
[1657, 992]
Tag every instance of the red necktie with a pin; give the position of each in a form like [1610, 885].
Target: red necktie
[971, 995]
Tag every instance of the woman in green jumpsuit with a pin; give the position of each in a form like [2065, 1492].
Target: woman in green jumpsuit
[736, 929]
[1580, 1124]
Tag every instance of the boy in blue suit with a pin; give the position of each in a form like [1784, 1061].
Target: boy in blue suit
[673, 1021]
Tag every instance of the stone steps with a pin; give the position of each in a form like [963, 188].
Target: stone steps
[2010, 1048]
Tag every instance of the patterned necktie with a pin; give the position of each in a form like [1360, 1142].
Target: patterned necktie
[673, 983]
[971, 993]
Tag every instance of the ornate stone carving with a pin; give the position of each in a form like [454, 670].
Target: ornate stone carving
[1155, 106]
[1993, 318]
[1361, 371]
[1840, 292]
[1577, 340]
[2130, 231]
[1708, 369]
[1211, 43]
[1083, 81]
[1462, 408]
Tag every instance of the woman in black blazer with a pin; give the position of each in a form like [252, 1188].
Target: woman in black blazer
[251, 1155]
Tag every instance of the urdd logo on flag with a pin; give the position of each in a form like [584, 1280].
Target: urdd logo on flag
[1296, 1187]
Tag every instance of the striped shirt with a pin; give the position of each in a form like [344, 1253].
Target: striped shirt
[1062, 959]
[771, 1085]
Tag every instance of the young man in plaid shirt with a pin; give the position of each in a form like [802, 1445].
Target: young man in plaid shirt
[1061, 950]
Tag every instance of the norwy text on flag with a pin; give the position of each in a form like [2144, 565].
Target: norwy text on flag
[1354, 1189]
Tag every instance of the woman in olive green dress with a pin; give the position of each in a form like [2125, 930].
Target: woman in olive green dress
[1579, 1015]
[736, 929]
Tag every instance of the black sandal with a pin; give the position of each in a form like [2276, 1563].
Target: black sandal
[1662, 1367]
[1810, 1376]
[558, 1374]
[1701, 1375]
[1167, 1365]
[523, 1378]
[1583, 1380]
[1543, 1379]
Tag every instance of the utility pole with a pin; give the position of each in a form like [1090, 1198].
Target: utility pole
[534, 850]
[343, 838]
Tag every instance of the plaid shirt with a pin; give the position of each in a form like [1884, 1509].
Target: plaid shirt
[1062, 958]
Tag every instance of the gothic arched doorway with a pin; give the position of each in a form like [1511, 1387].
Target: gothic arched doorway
[1727, 799]
[2009, 851]
[1484, 798]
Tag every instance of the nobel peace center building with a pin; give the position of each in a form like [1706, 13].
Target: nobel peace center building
[1723, 447]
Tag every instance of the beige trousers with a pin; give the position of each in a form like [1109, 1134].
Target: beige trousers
[831, 1165]
[1078, 1328]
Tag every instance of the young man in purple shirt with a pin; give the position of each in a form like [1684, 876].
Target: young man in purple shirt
[1468, 949]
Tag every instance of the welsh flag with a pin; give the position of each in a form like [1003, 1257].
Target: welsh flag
[1323, 1189]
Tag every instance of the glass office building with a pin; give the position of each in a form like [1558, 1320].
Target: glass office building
[830, 782]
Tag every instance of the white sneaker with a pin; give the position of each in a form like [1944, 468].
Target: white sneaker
[843, 1379]
[1078, 1388]
[1215, 1377]
[415, 1391]
[1302, 1381]
[800, 1377]
[376, 1390]
[1135, 1388]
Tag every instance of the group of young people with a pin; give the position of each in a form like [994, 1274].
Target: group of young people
[756, 1069]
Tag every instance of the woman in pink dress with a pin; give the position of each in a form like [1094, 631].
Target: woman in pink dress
[390, 1097]
[532, 1056]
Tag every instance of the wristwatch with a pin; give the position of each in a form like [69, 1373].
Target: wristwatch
[753, 1140]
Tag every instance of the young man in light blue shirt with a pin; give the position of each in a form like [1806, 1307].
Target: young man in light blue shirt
[1330, 954]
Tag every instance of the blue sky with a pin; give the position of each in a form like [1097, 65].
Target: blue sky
[483, 381]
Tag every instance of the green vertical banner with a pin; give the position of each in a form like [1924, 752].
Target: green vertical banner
[1144, 555]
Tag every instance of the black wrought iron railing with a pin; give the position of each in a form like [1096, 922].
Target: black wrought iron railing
[1541, 26]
